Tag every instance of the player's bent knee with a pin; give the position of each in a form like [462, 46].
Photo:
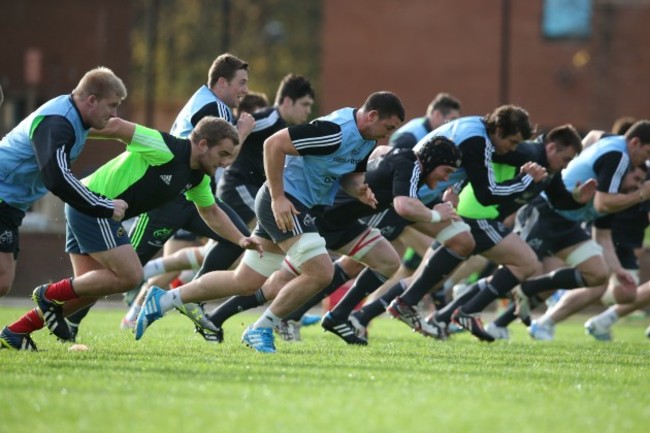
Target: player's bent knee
[265, 265]
[307, 247]
[584, 252]
[457, 237]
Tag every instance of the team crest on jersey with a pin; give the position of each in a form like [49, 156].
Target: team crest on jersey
[121, 232]
[7, 237]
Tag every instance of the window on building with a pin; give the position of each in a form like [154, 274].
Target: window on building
[567, 19]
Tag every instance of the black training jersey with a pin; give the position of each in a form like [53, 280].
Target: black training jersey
[248, 168]
[397, 173]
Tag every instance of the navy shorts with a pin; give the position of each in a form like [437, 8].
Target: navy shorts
[487, 233]
[266, 227]
[10, 220]
[388, 222]
[86, 234]
[240, 198]
[546, 231]
[152, 229]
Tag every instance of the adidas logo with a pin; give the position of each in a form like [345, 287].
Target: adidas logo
[167, 178]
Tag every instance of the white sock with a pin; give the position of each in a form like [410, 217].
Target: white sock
[267, 320]
[171, 299]
[154, 267]
[608, 317]
[546, 321]
[133, 312]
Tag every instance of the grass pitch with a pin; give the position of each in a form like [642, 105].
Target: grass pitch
[173, 381]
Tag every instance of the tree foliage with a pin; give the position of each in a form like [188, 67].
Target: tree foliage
[274, 36]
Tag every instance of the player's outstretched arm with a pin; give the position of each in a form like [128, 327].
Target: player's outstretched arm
[116, 128]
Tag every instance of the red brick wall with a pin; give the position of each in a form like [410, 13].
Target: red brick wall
[417, 48]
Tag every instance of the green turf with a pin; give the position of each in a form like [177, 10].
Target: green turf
[172, 381]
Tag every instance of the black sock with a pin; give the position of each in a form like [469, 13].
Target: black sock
[501, 283]
[76, 317]
[507, 317]
[367, 282]
[565, 278]
[439, 298]
[220, 257]
[234, 305]
[439, 265]
[444, 315]
[340, 278]
[378, 306]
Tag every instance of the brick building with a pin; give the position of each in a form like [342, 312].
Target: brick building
[485, 52]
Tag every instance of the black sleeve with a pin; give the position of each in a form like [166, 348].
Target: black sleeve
[212, 109]
[405, 141]
[610, 169]
[317, 138]
[52, 141]
[559, 196]
[477, 161]
[406, 176]
[605, 222]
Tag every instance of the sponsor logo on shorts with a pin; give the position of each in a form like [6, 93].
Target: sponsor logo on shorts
[7, 237]
[308, 220]
[387, 231]
[162, 233]
[535, 243]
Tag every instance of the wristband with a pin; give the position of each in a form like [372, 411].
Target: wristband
[435, 216]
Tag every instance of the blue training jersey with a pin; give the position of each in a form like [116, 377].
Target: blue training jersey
[582, 168]
[21, 182]
[314, 178]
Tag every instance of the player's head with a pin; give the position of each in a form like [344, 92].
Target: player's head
[382, 113]
[622, 124]
[97, 96]
[214, 144]
[252, 102]
[439, 157]
[295, 98]
[228, 78]
[638, 142]
[508, 126]
[444, 108]
[562, 144]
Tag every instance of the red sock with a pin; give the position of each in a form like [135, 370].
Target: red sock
[30, 322]
[61, 291]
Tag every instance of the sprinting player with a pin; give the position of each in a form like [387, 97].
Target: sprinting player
[226, 86]
[321, 157]
[479, 138]
[155, 168]
[495, 240]
[35, 158]
[554, 232]
[241, 180]
[394, 179]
